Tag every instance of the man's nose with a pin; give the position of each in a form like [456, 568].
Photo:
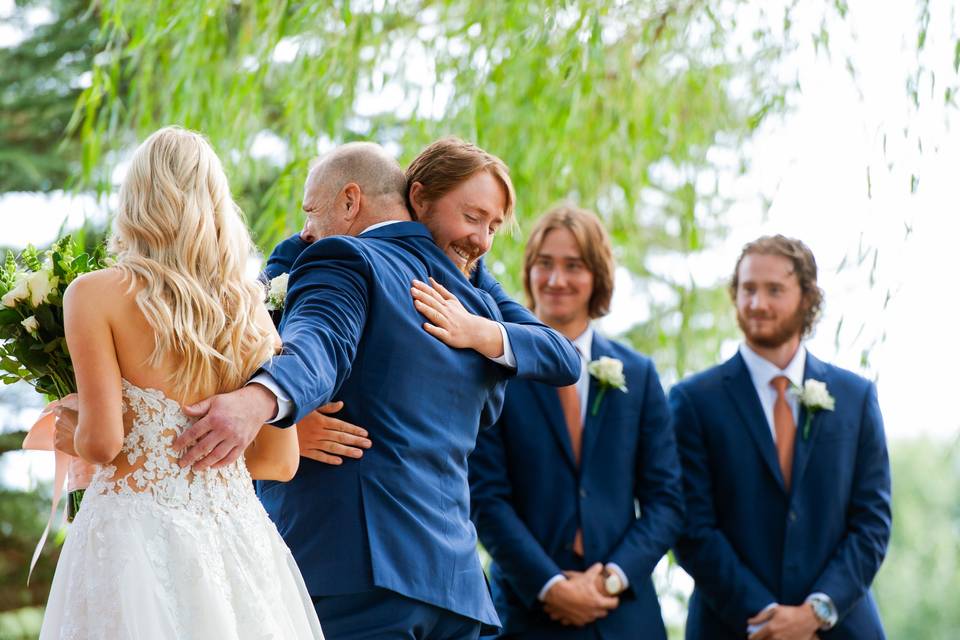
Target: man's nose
[482, 240]
[556, 278]
[307, 234]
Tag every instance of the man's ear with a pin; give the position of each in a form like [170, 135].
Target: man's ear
[417, 200]
[352, 195]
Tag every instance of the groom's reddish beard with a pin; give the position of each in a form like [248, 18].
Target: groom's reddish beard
[784, 331]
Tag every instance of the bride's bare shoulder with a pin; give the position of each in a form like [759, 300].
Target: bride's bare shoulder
[105, 287]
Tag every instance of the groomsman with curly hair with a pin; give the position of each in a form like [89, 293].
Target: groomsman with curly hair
[786, 475]
[576, 491]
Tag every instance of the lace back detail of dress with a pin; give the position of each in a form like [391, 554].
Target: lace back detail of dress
[147, 463]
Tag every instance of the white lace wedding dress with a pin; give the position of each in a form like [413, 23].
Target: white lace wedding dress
[160, 552]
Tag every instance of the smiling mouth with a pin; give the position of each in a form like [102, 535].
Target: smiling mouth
[463, 254]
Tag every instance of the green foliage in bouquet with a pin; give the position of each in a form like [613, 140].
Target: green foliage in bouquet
[33, 347]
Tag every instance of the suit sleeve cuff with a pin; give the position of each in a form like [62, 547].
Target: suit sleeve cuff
[542, 596]
[613, 567]
[284, 404]
[507, 359]
[753, 628]
[832, 615]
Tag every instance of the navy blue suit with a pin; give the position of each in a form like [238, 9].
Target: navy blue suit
[529, 498]
[748, 541]
[398, 518]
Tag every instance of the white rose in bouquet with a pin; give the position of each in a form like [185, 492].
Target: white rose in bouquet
[41, 284]
[278, 292]
[20, 291]
[31, 325]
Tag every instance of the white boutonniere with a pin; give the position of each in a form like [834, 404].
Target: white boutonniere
[814, 396]
[277, 293]
[609, 373]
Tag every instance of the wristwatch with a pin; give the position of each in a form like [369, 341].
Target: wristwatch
[612, 582]
[822, 611]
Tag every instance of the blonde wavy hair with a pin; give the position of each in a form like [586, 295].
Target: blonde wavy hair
[179, 233]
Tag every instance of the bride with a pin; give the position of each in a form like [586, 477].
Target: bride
[160, 551]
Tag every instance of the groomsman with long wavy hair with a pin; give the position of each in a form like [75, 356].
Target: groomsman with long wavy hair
[557, 483]
[786, 475]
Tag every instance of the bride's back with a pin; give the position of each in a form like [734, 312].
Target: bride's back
[135, 339]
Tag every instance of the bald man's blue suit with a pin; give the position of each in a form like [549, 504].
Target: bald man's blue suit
[395, 524]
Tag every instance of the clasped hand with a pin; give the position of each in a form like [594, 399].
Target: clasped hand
[65, 424]
[580, 599]
[783, 622]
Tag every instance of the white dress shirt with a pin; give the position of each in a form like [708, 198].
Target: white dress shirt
[285, 405]
[584, 346]
[762, 372]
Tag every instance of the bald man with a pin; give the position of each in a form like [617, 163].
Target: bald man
[385, 546]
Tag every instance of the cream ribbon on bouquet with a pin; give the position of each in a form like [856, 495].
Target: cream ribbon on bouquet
[76, 472]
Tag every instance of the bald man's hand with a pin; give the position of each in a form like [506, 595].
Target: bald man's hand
[227, 424]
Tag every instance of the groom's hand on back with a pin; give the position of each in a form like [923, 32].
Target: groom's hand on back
[227, 424]
[327, 439]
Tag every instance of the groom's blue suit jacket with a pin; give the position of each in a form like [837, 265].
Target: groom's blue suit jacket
[530, 497]
[399, 517]
[748, 541]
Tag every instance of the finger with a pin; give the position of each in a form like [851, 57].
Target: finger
[217, 453]
[320, 456]
[200, 449]
[442, 290]
[200, 429]
[606, 602]
[231, 456]
[343, 438]
[427, 301]
[332, 407]
[437, 332]
[338, 449]
[198, 409]
[424, 293]
[431, 314]
[320, 426]
[763, 616]
[431, 289]
[594, 570]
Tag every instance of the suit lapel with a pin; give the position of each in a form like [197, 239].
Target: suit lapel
[592, 424]
[550, 406]
[812, 369]
[740, 387]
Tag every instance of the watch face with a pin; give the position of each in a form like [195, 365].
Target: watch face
[820, 610]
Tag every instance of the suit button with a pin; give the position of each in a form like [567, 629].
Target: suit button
[583, 492]
[793, 516]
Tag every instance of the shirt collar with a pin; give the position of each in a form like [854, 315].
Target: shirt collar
[762, 371]
[379, 224]
[584, 343]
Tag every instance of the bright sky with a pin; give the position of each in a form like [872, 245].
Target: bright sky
[812, 165]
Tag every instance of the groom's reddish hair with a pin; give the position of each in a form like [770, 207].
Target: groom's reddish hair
[450, 161]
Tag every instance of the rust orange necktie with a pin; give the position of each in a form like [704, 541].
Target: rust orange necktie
[784, 426]
[570, 403]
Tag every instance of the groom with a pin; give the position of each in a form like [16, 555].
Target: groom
[788, 499]
[385, 546]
